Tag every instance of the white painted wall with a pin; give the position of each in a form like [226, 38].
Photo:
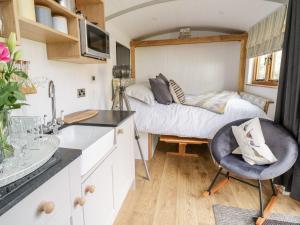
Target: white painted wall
[268, 92]
[196, 68]
[68, 77]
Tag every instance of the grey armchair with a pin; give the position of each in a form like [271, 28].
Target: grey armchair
[281, 143]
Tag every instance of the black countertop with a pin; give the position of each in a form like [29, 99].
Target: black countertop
[66, 157]
[108, 118]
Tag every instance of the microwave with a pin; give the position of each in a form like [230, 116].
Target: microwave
[93, 40]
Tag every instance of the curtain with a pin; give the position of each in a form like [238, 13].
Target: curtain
[267, 35]
[288, 99]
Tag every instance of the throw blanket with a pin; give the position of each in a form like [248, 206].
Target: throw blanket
[214, 101]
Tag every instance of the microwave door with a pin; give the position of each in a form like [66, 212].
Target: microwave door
[96, 41]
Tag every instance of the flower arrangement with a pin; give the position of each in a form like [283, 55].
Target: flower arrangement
[11, 96]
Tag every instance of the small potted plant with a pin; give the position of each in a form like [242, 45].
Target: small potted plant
[11, 96]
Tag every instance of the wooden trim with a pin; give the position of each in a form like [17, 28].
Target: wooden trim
[267, 81]
[150, 146]
[267, 105]
[132, 61]
[193, 40]
[242, 67]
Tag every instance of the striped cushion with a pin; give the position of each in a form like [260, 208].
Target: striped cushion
[176, 92]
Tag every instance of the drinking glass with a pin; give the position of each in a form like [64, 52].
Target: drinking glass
[25, 133]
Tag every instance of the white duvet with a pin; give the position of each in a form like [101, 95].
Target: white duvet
[189, 121]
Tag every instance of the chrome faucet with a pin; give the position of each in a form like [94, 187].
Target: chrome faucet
[51, 93]
[54, 124]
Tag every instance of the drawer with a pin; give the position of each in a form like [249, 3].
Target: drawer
[49, 201]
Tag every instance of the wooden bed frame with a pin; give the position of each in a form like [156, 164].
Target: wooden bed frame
[182, 141]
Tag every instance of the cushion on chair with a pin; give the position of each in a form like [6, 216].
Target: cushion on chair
[281, 143]
[252, 144]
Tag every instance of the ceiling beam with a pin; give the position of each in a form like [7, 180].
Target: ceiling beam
[193, 40]
[223, 30]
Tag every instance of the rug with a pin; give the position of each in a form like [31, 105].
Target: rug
[225, 215]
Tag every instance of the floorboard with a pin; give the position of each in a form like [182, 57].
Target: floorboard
[174, 194]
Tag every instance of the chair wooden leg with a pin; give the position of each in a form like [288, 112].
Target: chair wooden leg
[212, 190]
[266, 212]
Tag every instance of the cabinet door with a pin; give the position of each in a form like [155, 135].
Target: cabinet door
[124, 169]
[54, 192]
[98, 192]
[77, 201]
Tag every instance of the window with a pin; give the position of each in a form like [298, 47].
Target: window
[266, 69]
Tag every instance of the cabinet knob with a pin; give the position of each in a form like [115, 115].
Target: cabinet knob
[47, 207]
[79, 201]
[90, 189]
[120, 131]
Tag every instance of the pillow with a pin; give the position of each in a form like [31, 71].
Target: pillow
[252, 144]
[176, 92]
[161, 76]
[161, 91]
[254, 99]
[141, 92]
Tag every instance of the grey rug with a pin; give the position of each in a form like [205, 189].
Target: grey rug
[225, 215]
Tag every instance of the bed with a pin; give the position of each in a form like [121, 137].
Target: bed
[195, 123]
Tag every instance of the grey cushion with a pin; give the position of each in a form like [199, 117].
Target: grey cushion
[163, 77]
[161, 91]
[281, 143]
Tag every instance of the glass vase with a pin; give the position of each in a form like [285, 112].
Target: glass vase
[6, 149]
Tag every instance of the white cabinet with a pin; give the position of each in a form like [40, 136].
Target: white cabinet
[123, 167]
[98, 192]
[47, 205]
[77, 201]
[106, 187]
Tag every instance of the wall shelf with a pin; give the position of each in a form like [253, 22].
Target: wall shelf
[60, 46]
[80, 60]
[56, 8]
[38, 32]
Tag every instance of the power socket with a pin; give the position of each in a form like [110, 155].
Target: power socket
[80, 92]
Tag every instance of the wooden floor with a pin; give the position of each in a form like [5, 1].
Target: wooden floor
[174, 195]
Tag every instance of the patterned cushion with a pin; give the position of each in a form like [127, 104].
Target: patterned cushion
[254, 99]
[177, 92]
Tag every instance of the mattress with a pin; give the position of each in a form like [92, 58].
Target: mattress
[189, 121]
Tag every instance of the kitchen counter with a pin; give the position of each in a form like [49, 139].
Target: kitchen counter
[66, 157]
[108, 118]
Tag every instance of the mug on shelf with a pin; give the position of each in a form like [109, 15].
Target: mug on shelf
[43, 15]
[60, 23]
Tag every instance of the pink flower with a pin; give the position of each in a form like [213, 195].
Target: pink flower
[4, 53]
